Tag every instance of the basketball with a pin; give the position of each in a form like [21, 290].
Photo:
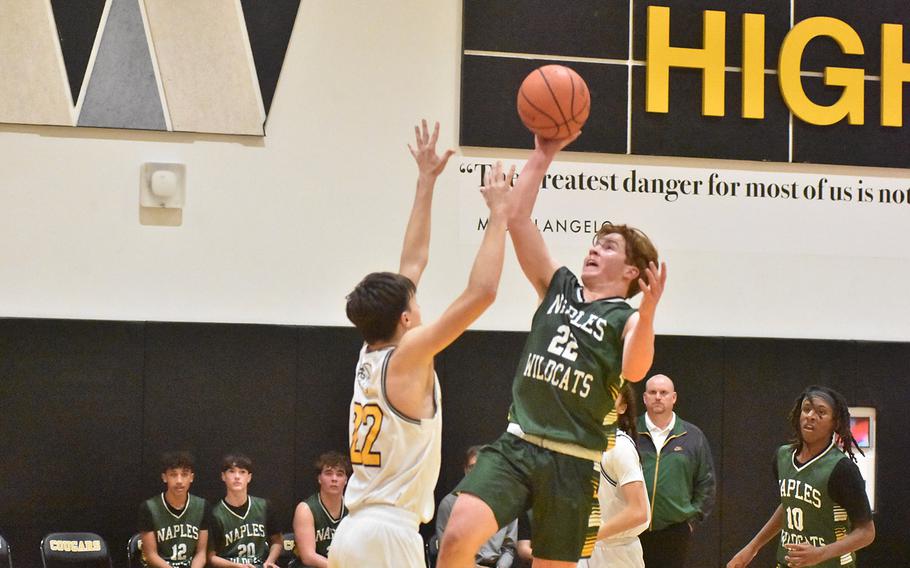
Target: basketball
[553, 101]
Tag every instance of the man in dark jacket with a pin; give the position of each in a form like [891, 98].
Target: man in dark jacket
[679, 476]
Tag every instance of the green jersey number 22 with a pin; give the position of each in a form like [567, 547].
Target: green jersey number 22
[564, 344]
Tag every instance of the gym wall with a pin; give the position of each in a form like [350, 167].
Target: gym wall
[121, 340]
[86, 408]
[278, 229]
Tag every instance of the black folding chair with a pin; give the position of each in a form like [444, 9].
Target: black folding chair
[74, 549]
[6, 558]
[134, 551]
[431, 550]
[288, 557]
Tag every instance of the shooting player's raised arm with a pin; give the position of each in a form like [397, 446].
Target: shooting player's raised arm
[532, 252]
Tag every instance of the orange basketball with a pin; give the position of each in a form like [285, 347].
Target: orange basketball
[553, 101]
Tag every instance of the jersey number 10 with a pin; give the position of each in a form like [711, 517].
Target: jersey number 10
[794, 518]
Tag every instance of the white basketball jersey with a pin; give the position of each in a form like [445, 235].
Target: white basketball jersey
[395, 458]
[620, 465]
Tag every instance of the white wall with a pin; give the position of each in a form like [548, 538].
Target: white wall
[279, 230]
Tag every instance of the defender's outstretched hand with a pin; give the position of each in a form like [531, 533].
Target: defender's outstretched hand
[652, 290]
[428, 161]
[496, 191]
[415, 252]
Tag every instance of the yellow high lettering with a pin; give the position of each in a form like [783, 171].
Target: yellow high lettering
[711, 59]
[895, 72]
[850, 104]
[753, 66]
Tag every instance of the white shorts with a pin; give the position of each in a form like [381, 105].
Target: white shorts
[378, 536]
[616, 554]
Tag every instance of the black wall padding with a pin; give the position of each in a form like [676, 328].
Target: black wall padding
[489, 114]
[476, 377]
[575, 29]
[216, 389]
[326, 357]
[70, 430]
[679, 133]
[86, 407]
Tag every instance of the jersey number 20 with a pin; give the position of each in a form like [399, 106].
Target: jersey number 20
[369, 415]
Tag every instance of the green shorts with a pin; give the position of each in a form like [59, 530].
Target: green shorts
[512, 476]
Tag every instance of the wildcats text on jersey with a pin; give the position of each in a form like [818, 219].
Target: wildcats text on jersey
[177, 531]
[243, 531]
[560, 375]
[787, 537]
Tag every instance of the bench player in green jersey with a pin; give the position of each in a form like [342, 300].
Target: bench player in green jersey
[171, 523]
[242, 528]
[317, 517]
[584, 341]
[824, 514]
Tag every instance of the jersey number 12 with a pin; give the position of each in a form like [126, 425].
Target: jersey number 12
[178, 551]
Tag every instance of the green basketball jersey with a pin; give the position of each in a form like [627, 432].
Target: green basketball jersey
[324, 523]
[570, 370]
[240, 538]
[810, 514]
[176, 535]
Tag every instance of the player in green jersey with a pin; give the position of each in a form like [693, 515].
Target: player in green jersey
[242, 528]
[316, 518]
[171, 523]
[585, 340]
[824, 514]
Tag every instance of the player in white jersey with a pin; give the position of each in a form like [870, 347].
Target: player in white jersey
[623, 499]
[395, 425]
